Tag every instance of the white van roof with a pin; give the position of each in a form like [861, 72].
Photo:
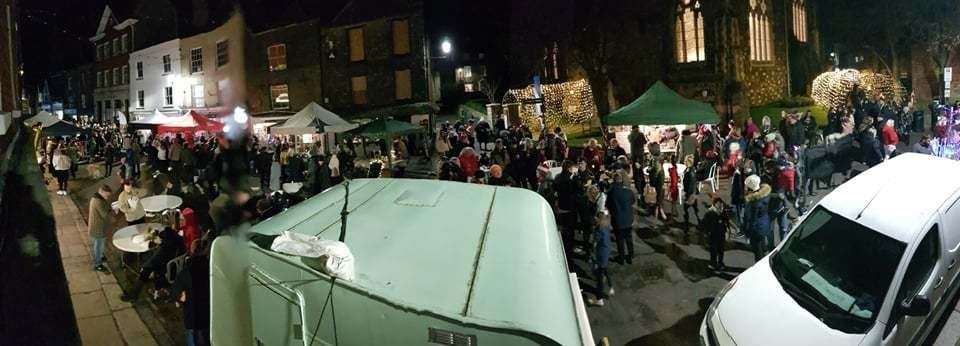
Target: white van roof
[897, 197]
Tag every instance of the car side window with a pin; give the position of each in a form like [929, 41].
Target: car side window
[918, 271]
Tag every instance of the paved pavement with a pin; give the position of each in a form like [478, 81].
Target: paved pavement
[103, 319]
[662, 297]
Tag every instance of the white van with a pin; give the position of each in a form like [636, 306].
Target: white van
[874, 263]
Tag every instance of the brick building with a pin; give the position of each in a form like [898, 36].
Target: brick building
[374, 56]
[284, 68]
[112, 43]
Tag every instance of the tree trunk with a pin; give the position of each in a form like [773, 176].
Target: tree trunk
[894, 59]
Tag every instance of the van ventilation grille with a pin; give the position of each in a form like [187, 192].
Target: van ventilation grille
[444, 337]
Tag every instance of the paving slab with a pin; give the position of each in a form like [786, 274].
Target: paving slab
[82, 282]
[113, 292]
[132, 327]
[89, 304]
[99, 331]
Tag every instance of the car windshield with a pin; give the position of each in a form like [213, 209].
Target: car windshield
[837, 269]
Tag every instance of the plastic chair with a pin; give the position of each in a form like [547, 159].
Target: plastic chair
[712, 179]
[174, 266]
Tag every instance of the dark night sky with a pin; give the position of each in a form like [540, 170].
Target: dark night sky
[55, 33]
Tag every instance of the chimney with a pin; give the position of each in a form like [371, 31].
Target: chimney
[201, 15]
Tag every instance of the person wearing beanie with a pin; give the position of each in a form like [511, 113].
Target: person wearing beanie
[756, 218]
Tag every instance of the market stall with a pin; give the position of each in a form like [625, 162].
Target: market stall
[386, 129]
[661, 114]
[190, 124]
[151, 121]
[313, 122]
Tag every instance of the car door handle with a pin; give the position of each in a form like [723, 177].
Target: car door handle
[939, 282]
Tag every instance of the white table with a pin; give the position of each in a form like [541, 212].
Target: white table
[159, 203]
[123, 240]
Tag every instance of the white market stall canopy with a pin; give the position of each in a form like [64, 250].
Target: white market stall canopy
[309, 119]
[155, 119]
[43, 117]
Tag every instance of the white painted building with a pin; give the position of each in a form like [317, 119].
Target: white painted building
[213, 68]
[156, 80]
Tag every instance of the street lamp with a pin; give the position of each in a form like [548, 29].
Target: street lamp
[446, 46]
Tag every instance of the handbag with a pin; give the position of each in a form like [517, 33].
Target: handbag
[650, 195]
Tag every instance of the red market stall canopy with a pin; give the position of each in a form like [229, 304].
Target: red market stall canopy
[660, 105]
[190, 123]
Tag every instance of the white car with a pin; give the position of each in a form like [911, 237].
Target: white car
[874, 263]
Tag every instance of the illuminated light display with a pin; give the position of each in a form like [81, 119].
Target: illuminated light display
[563, 103]
[832, 89]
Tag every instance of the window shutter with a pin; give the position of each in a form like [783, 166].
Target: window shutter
[402, 80]
[356, 44]
[359, 87]
[401, 37]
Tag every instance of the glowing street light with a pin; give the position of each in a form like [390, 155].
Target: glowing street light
[240, 115]
[446, 47]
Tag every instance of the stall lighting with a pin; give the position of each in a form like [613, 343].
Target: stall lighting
[832, 89]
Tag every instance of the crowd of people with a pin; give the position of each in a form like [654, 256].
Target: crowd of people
[595, 189]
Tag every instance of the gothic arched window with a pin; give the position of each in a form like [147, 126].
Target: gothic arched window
[689, 32]
[761, 32]
[800, 20]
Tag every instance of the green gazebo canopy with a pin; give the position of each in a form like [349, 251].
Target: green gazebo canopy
[660, 105]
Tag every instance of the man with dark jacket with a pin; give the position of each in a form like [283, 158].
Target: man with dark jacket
[567, 188]
[191, 291]
[637, 143]
[98, 225]
[171, 246]
[715, 226]
[620, 201]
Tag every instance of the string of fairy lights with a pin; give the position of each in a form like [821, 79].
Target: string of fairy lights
[563, 103]
[832, 89]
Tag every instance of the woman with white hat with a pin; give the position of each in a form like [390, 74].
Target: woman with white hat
[756, 216]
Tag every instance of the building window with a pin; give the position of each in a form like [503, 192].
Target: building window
[277, 57]
[223, 53]
[117, 105]
[116, 76]
[139, 98]
[126, 104]
[464, 74]
[139, 70]
[800, 20]
[123, 43]
[106, 78]
[196, 60]
[116, 47]
[168, 96]
[689, 32]
[402, 81]
[99, 52]
[83, 101]
[99, 79]
[761, 33]
[197, 94]
[401, 37]
[359, 87]
[279, 96]
[356, 44]
[468, 87]
[126, 74]
[166, 64]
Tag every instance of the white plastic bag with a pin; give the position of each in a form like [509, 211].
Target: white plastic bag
[339, 259]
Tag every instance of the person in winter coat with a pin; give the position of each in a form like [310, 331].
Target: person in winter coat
[637, 143]
[890, 139]
[469, 162]
[691, 189]
[99, 224]
[715, 226]
[61, 170]
[620, 201]
[738, 190]
[109, 157]
[450, 171]
[190, 228]
[129, 202]
[567, 188]
[191, 292]
[656, 177]
[497, 178]
[612, 153]
[601, 260]
[171, 246]
[870, 146]
[923, 146]
[756, 216]
[592, 156]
